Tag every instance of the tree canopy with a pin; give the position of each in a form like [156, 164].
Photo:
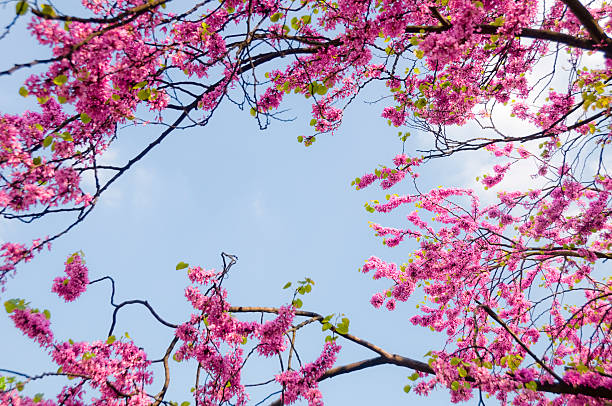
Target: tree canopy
[519, 287]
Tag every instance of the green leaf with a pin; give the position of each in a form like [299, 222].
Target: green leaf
[455, 361]
[115, 97]
[455, 385]
[275, 17]
[23, 92]
[48, 10]
[185, 403]
[297, 303]
[300, 139]
[140, 85]
[462, 372]
[287, 285]
[253, 112]
[60, 80]
[66, 136]
[47, 314]
[407, 388]
[294, 23]
[10, 306]
[21, 8]
[532, 386]
[144, 94]
[581, 368]
[85, 118]
[38, 397]
[414, 376]
[181, 265]
[88, 355]
[326, 326]
[343, 327]
[36, 161]
[111, 339]
[498, 21]
[47, 141]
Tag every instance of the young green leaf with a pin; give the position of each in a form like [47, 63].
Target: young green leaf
[85, 118]
[47, 141]
[21, 8]
[144, 94]
[60, 80]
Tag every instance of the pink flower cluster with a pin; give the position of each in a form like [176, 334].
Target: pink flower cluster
[75, 283]
[213, 328]
[303, 383]
[470, 256]
[34, 325]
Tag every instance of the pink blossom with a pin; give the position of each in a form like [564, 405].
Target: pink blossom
[33, 324]
[72, 286]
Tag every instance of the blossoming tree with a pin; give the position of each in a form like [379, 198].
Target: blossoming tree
[519, 286]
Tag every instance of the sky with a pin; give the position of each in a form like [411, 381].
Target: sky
[284, 210]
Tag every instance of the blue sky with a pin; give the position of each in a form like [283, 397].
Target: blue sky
[286, 211]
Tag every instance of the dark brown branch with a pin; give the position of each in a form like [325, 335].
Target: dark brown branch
[587, 20]
[557, 388]
[387, 358]
[560, 252]
[145, 304]
[439, 17]
[547, 35]
[495, 317]
[162, 392]
[318, 317]
[143, 8]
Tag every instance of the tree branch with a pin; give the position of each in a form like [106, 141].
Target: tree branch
[495, 317]
[588, 22]
[143, 8]
[387, 358]
[162, 392]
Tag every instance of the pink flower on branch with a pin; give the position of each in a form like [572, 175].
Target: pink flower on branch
[75, 283]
